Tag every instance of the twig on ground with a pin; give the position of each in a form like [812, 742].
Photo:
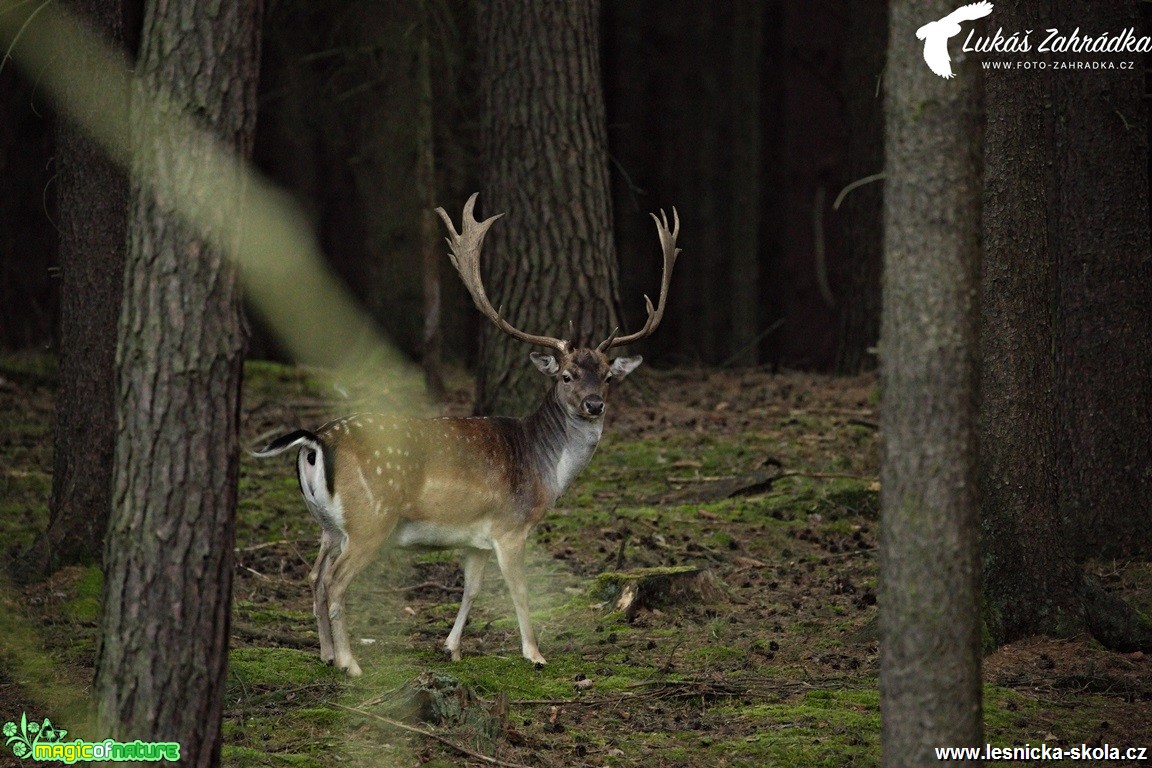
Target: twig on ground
[292, 545]
[428, 585]
[264, 545]
[823, 475]
[853, 553]
[256, 573]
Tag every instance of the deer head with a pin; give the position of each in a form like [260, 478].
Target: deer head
[582, 374]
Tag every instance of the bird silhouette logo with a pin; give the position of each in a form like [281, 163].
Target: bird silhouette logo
[937, 33]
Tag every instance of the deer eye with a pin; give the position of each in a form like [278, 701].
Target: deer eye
[566, 376]
[608, 378]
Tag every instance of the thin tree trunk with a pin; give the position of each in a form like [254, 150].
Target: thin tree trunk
[93, 218]
[861, 212]
[930, 631]
[163, 649]
[744, 296]
[430, 241]
[551, 260]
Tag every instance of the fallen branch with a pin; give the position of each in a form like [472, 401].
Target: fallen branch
[249, 632]
[715, 488]
[428, 734]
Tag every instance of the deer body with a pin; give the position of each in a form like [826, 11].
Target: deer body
[476, 484]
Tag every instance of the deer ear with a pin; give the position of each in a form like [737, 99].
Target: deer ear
[545, 363]
[622, 366]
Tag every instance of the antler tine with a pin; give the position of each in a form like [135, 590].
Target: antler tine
[464, 251]
[668, 246]
[607, 343]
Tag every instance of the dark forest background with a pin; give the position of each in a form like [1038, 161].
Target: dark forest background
[750, 117]
[1012, 223]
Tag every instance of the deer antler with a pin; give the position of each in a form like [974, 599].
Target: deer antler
[668, 245]
[464, 251]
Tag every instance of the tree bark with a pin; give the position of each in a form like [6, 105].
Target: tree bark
[163, 647]
[93, 221]
[1031, 584]
[930, 635]
[744, 297]
[551, 260]
[430, 250]
[861, 213]
[1100, 246]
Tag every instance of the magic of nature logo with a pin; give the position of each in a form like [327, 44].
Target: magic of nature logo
[33, 740]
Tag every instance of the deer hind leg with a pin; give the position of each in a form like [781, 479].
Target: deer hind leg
[474, 562]
[510, 556]
[357, 552]
[318, 578]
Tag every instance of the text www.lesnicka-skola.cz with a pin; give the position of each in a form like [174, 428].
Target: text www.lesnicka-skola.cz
[1043, 752]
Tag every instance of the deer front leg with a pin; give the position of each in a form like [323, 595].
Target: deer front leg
[474, 562]
[510, 556]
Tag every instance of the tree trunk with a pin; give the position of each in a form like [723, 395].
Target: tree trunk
[744, 297]
[930, 633]
[430, 250]
[861, 212]
[1104, 277]
[93, 221]
[27, 243]
[1031, 584]
[164, 642]
[551, 260]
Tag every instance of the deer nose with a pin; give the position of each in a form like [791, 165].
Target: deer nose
[594, 405]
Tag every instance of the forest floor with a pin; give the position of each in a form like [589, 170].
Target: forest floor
[766, 483]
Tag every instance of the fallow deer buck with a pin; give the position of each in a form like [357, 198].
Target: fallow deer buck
[477, 484]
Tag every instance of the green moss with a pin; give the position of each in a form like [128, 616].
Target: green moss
[715, 654]
[83, 610]
[270, 613]
[275, 667]
[855, 498]
[237, 756]
[721, 540]
[30, 366]
[828, 727]
[23, 504]
[263, 378]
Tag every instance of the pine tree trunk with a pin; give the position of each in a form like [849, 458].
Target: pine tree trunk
[551, 260]
[1031, 584]
[93, 219]
[164, 642]
[930, 635]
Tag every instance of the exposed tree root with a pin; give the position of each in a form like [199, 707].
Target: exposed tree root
[1114, 623]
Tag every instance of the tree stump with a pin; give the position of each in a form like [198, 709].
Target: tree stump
[648, 588]
[436, 699]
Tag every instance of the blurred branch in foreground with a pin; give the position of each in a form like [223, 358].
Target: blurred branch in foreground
[279, 260]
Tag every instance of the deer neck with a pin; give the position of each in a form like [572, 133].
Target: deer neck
[561, 444]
